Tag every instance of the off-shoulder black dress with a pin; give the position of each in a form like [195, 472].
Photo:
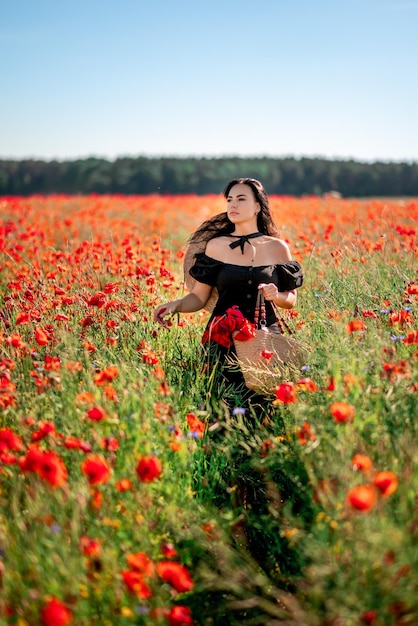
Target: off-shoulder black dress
[238, 285]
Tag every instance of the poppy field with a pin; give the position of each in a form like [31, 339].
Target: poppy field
[120, 468]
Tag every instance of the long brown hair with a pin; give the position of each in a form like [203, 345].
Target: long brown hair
[220, 225]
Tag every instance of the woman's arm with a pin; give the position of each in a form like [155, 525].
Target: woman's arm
[283, 299]
[191, 302]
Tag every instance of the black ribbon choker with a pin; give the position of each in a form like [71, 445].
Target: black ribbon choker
[242, 240]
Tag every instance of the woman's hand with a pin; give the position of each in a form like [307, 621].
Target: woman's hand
[282, 299]
[163, 310]
[270, 291]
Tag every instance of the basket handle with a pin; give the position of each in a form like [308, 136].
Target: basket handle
[261, 318]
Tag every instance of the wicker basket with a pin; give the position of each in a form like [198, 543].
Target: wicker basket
[263, 374]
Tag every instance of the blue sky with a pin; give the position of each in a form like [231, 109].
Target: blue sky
[330, 78]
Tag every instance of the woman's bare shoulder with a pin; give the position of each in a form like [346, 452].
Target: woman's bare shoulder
[280, 249]
[215, 245]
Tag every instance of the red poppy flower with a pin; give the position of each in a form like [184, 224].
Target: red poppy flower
[195, 424]
[140, 562]
[9, 440]
[96, 469]
[362, 462]
[286, 393]
[96, 414]
[355, 326]
[386, 482]
[412, 337]
[44, 429]
[136, 584]
[90, 547]
[72, 443]
[108, 374]
[22, 318]
[98, 299]
[124, 484]
[110, 288]
[149, 468]
[246, 331]
[362, 498]
[41, 336]
[306, 384]
[175, 575]
[168, 550]
[180, 616]
[51, 468]
[55, 613]
[342, 412]
[401, 318]
[266, 354]
[305, 434]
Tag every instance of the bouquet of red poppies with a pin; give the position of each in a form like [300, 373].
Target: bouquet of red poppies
[224, 328]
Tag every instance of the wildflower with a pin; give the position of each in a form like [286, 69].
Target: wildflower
[362, 498]
[55, 613]
[411, 337]
[286, 393]
[195, 424]
[96, 469]
[168, 550]
[140, 562]
[342, 412]
[96, 414]
[44, 429]
[136, 584]
[386, 482]
[60, 317]
[305, 434]
[9, 440]
[306, 384]
[265, 447]
[72, 443]
[401, 318]
[266, 354]
[331, 384]
[369, 313]
[362, 462]
[149, 357]
[180, 616]
[110, 393]
[238, 411]
[22, 318]
[412, 289]
[41, 336]
[124, 484]
[106, 375]
[175, 575]
[355, 326]
[16, 341]
[51, 468]
[369, 617]
[110, 443]
[149, 468]
[90, 547]
[98, 299]
[110, 288]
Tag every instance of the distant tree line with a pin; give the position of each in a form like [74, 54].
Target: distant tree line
[178, 175]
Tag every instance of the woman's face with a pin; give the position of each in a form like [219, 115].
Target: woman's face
[241, 204]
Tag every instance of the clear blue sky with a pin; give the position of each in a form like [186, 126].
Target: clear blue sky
[331, 78]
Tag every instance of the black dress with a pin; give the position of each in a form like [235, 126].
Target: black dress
[238, 286]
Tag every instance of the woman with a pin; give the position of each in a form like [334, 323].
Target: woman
[238, 254]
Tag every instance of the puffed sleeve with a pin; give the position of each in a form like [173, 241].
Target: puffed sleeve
[290, 275]
[205, 270]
